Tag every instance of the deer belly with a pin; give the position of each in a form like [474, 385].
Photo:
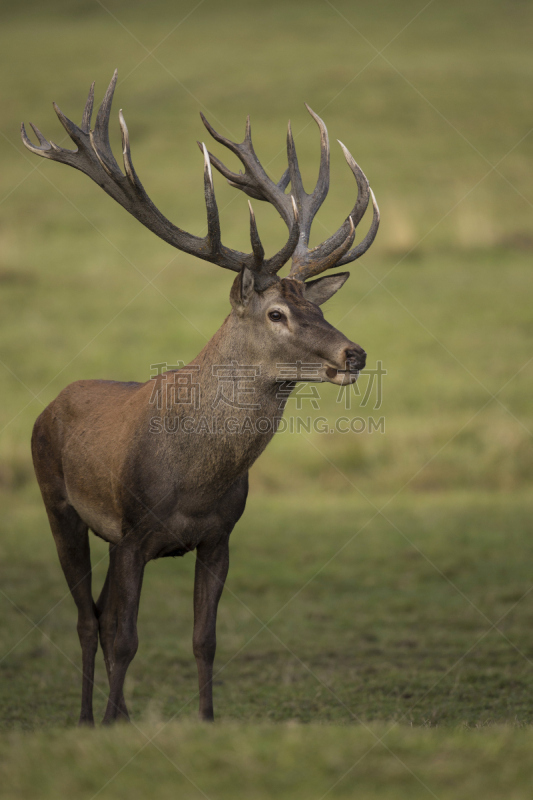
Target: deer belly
[105, 525]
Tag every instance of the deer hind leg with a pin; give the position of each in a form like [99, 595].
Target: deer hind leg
[117, 607]
[72, 541]
[212, 564]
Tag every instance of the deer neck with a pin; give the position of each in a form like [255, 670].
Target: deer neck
[235, 382]
[235, 405]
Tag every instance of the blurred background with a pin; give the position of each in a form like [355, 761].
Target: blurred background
[395, 564]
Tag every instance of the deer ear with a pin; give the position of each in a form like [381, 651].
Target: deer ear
[242, 290]
[323, 288]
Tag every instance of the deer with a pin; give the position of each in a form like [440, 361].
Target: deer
[115, 459]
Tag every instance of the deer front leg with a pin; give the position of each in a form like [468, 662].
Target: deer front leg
[126, 569]
[107, 628]
[212, 564]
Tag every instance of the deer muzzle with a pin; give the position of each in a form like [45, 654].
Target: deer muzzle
[354, 361]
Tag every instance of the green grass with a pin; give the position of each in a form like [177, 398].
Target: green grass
[262, 761]
[380, 583]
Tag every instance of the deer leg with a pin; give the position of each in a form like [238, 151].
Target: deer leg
[72, 541]
[119, 616]
[212, 564]
[107, 628]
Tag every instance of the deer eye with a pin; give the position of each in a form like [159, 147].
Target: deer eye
[275, 316]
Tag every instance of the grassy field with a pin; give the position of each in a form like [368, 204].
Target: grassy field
[375, 636]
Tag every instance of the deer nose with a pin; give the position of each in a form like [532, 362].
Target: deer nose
[355, 356]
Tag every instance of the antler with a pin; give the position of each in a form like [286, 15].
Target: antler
[335, 251]
[95, 158]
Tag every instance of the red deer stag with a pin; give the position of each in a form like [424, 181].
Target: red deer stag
[111, 457]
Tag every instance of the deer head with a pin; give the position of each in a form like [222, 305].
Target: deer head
[280, 318]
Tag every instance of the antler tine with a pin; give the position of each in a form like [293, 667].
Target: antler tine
[257, 245]
[88, 110]
[294, 169]
[313, 201]
[232, 177]
[45, 144]
[363, 187]
[308, 203]
[284, 180]
[248, 130]
[363, 246]
[100, 135]
[233, 146]
[134, 180]
[322, 184]
[126, 153]
[213, 220]
[70, 127]
[239, 181]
